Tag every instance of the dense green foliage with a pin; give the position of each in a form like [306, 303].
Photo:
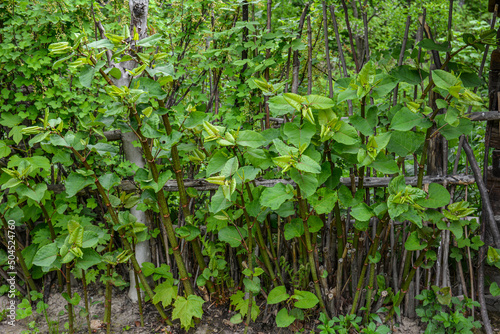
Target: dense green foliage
[285, 212]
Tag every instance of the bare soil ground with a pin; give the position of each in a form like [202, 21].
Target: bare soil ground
[126, 319]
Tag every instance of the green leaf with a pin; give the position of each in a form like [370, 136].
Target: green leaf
[345, 133]
[231, 235]
[246, 173]
[4, 150]
[295, 228]
[362, 212]
[90, 258]
[102, 43]
[405, 120]
[194, 119]
[314, 224]
[230, 167]
[319, 102]
[57, 140]
[493, 257]
[306, 164]
[408, 74]
[365, 124]
[10, 120]
[299, 136]
[219, 202]
[429, 44]
[470, 80]
[404, 143]
[252, 285]
[449, 132]
[236, 319]
[188, 232]
[385, 84]
[36, 194]
[88, 72]
[325, 204]
[279, 106]
[217, 162]
[109, 180]
[149, 41]
[443, 79]
[115, 73]
[456, 228]
[305, 299]
[307, 183]
[295, 100]
[413, 242]
[150, 86]
[438, 197]
[76, 182]
[275, 196]
[46, 255]
[494, 289]
[73, 301]
[165, 293]
[250, 139]
[277, 295]
[451, 116]
[103, 149]
[383, 164]
[283, 319]
[186, 309]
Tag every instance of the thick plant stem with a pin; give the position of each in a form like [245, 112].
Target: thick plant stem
[126, 244]
[265, 256]
[369, 292]
[409, 277]
[489, 215]
[179, 177]
[109, 289]
[107, 299]
[309, 249]
[139, 299]
[262, 245]
[70, 306]
[327, 50]
[52, 237]
[372, 251]
[164, 210]
[19, 255]
[86, 299]
[480, 278]
[250, 266]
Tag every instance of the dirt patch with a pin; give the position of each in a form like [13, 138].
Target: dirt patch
[126, 319]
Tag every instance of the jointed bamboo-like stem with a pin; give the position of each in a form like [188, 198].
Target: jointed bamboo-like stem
[409, 277]
[341, 52]
[327, 50]
[125, 242]
[178, 170]
[19, 255]
[309, 249]
[139, 295]
[349, 30]
[70, 306]
[164, 210]
[250, 265]
[401, 57]
[373, 249]
[309, 55]
[86, 299]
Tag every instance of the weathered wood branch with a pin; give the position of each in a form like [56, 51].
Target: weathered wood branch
[369, 182]
[488, 214]
[484, 116]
